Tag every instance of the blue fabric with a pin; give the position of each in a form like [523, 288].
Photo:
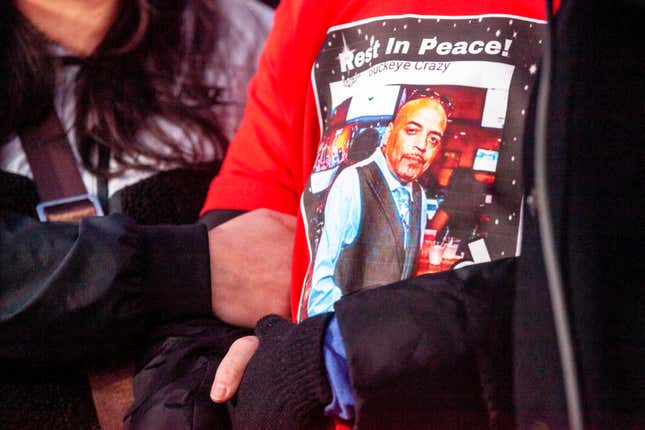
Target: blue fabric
[342, 223]
[402, 199]
[342, 403]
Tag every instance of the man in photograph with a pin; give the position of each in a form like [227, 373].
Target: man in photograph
[375, 211]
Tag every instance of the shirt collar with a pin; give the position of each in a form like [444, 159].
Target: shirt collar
[392, 182]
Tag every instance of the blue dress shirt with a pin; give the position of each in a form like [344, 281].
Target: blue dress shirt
[341, 229]
[342, 403]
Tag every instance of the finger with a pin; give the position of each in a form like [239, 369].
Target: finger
[231, 369]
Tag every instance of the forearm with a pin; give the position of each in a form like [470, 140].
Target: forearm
[285, 384]
[250, 258]
[420, 354]
[324, 293]
[70, 292]
[422, 345]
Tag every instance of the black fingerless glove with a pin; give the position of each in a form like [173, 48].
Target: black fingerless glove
[285, 385]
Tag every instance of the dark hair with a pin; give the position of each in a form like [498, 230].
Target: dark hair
[153, 62]
[364, 145]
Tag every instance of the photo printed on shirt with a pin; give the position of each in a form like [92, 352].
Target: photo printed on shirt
[419, 166]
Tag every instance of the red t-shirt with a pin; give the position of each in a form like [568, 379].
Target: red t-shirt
[271, 157]
[324, 64]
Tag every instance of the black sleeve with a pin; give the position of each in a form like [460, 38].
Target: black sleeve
[212, 219]
[429, 352]
[432, 351]
[285, 384]
[174, 376]
[71, 293]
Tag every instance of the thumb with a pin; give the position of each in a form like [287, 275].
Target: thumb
[231, 370]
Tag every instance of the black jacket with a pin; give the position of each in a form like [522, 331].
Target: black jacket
[595, 160]
[79, 280]
[75, 297]
[445, 340]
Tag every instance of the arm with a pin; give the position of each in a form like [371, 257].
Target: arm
[421, 349]
[77, 292]
[416, 351]
[342, 223]
[71, 292]
[342, 403]
[285, 384]
[251, 266]
[267, 163]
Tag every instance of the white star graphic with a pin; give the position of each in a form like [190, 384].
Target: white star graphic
[346, 55]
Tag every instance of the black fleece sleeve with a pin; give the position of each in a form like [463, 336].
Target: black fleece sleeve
[76, 292]
[212, 219]
[432, 351]
[285, 385]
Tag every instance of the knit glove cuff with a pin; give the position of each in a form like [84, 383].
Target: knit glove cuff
[285, 385]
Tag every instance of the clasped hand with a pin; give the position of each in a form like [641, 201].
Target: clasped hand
[250, 259]
[250, 270]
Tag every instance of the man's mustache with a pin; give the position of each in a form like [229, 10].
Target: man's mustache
[414, 157]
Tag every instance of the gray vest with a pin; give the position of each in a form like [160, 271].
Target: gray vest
[377, 256]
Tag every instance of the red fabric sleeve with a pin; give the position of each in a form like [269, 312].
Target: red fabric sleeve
[269, 159]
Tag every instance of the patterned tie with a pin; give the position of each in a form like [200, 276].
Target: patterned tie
[402, 198]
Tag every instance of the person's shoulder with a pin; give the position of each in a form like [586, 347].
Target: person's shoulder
[241, 29]
[251, 15]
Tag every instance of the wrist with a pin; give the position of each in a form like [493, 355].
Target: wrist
[285, 385]
[177, 275]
